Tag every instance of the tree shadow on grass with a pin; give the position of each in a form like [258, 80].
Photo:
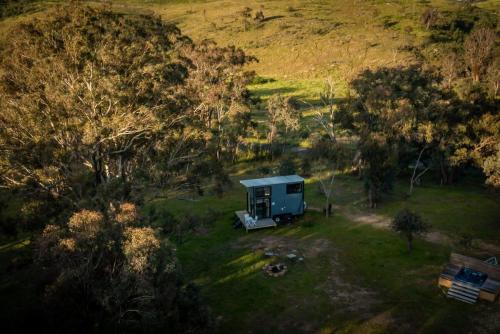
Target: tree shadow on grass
[265, 93]
[270, 18]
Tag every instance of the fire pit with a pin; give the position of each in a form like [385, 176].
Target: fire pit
[275, 270]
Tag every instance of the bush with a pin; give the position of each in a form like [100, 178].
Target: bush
[275, 150]
[304, 133]
[322, 148]
[221, 183]
[193, 310]
[409, 224]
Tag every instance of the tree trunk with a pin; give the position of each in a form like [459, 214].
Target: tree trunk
[475, 73]
[219, 136]
[327, 204]
[370, 197]
[122, 163]
[412, 180]
[97, 165]
[410, 243]
[271, 141]
[444, 174]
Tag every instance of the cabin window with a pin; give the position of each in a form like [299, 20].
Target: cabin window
[294, 188]
[263, 192]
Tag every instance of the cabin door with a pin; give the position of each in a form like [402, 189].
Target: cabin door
[263, 202]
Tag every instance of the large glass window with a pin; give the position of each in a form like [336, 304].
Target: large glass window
[294, 188]
[263, 192]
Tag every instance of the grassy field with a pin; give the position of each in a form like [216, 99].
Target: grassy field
[306, 40]
[355, 277]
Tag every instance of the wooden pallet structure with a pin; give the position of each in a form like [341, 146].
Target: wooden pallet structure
[487, 288]
[258, 224]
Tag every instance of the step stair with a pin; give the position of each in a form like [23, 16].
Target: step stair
[464, 292]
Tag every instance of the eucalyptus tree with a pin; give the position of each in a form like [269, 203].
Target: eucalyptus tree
[217, 86]
[388, 110]
[283, 117]
[327, 120]
[335, 160]
[479, 51]
[91, 96]
[88, 92]
[485, 150]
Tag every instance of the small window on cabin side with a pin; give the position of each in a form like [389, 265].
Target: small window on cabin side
[263, 192]
[294, 188]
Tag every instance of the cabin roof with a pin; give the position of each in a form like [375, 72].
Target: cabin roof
[267, 181]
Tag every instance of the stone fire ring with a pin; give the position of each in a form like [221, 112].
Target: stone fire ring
[275, 270]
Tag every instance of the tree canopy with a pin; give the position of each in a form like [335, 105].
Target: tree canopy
[98, 105]
[92, 96]
[409, 224]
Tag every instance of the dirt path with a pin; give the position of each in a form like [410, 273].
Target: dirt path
[384, 222]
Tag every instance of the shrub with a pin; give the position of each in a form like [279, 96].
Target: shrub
[409, 224]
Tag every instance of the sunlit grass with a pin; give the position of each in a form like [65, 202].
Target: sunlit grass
[229, 269]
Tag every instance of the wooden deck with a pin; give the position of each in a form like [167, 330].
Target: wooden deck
[261, 223]
[490, 290]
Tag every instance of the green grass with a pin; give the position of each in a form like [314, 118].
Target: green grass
[306, 39]
[299, 48]
[227, 266]
[456, 210]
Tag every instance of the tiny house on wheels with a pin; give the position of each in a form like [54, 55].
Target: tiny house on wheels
[272, 200]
